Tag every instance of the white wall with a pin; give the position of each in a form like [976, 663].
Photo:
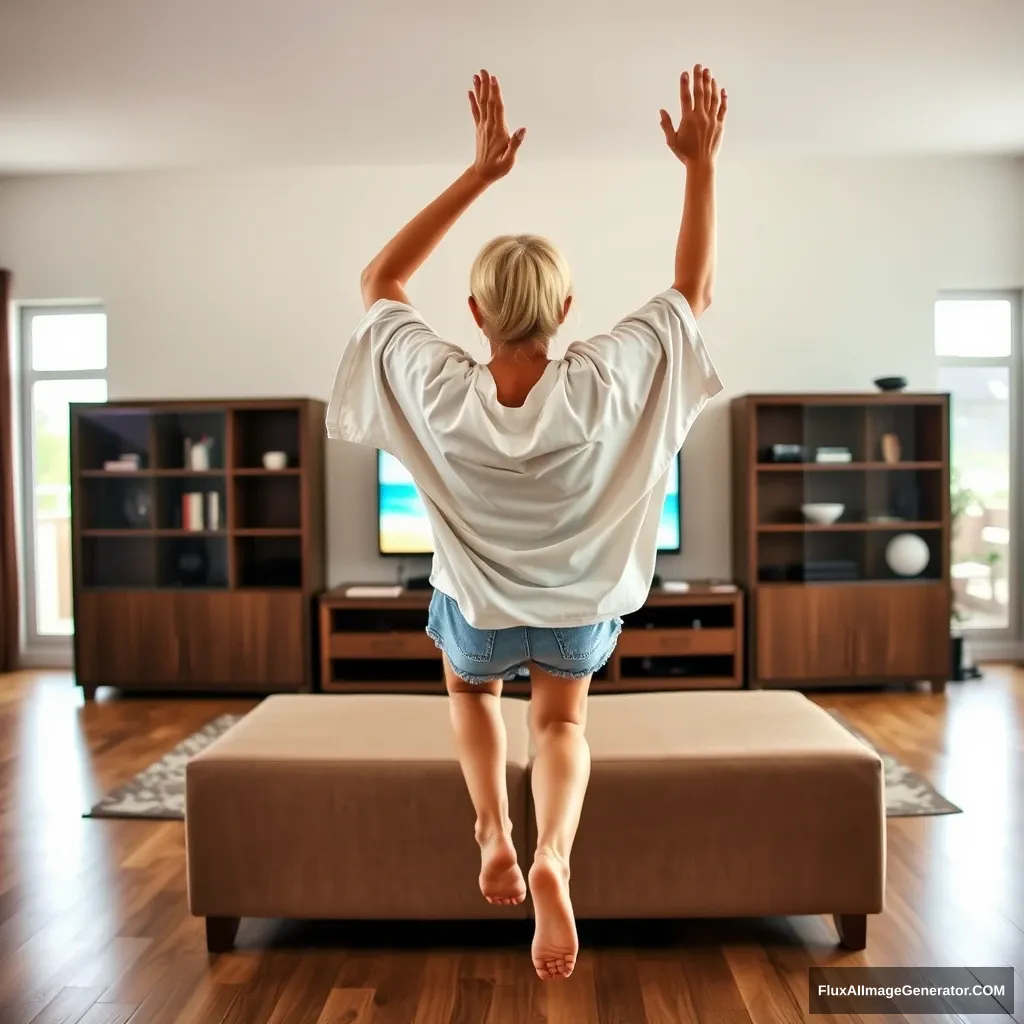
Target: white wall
[245, 284]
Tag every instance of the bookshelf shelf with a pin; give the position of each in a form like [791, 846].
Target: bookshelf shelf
[892, 527]
[838, 467]
[135, 474]
[267, 533]
[185, 564]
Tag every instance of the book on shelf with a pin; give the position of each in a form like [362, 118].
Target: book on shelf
[123, 464]
[833, 455]
[213, 510]
[192, 512]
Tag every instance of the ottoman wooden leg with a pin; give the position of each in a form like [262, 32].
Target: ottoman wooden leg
[853, 930]
[220, 933]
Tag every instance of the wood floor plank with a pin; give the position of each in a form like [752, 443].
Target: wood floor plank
[473, 1000]
[305, 993]
[436, 1001]
[257, 999]
[110, 1013]
[617, 985]
[519, 996]
[765, 995]
[712, 987]
[665, 993]
[398, 983]
[68, 1007]
[348, 1006]
[171, 993]
[208, 1004]
[110, 963]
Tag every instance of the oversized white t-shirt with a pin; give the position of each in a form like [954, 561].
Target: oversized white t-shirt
[546, 514]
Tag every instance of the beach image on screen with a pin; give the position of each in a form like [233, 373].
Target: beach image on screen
[668, 527]
[405, 530]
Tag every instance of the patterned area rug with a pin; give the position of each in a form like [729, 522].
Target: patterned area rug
[159, 792]
[907, 794]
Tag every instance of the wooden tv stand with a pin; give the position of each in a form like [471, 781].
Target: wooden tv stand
[676, 641]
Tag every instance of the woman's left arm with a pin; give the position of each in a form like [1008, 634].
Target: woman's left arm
[386, 275]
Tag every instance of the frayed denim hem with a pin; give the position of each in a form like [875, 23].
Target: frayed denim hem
[466, 677]
[513, 674]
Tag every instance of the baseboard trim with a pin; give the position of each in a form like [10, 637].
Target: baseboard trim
[46, 658]
[995, 650]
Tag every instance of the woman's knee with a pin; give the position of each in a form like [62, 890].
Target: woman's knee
[556, 702]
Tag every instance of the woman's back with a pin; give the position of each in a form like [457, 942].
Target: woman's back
[545, 512]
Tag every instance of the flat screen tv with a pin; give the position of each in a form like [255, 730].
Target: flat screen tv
[403, 527]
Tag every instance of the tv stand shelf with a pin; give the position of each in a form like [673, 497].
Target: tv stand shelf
[676, 641]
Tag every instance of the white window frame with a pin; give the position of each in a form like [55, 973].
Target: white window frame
[1008, 643]
[38, 650]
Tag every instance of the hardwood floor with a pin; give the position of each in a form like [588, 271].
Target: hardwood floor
[94, 927]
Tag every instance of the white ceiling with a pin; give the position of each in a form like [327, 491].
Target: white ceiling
[111, 84]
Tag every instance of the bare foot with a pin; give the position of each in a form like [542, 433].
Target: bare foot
[501, 881]
[555, 943]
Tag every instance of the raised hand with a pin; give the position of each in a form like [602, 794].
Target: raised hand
[495, 148]
[701, 120]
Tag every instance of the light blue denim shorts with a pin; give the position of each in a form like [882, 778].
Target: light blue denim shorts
[483, 655]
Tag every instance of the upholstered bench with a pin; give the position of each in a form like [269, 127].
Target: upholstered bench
[700, 805]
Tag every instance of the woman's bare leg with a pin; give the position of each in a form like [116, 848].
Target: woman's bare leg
[560, 772]
[475, 710]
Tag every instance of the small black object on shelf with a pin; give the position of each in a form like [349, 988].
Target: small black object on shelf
[192, 565]
[890, 383]
[784, 453]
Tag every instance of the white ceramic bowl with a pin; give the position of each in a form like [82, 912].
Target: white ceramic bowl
[822, 512]
[275, 460]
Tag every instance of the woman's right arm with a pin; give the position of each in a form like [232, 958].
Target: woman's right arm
[696, 142]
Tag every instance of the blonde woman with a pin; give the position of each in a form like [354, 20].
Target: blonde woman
[543, 478]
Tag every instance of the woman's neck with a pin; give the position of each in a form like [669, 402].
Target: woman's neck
[516, 369]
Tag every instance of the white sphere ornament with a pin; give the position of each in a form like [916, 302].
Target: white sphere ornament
[907, 554]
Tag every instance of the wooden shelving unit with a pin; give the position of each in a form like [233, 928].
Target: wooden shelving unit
[221, 603]
[866, 624]
[677, 641]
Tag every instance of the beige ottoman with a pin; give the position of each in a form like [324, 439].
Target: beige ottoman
[333, 806]
[729, 804]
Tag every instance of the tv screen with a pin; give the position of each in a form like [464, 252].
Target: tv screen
[403, 528]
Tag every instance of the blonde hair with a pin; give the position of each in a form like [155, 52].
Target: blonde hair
[520, 283]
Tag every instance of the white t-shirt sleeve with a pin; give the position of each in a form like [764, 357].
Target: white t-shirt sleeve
[392, 370]
[651, 372]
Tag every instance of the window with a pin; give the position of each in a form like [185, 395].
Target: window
[63, 360]
[977, 340]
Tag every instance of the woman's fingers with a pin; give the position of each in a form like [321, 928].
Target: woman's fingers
[723, 106]
[708, 83]
[699, 83]
[497, 102]
[667, 127]
[685, 96]
[475, 107]
[715, 98]
[484, 94]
